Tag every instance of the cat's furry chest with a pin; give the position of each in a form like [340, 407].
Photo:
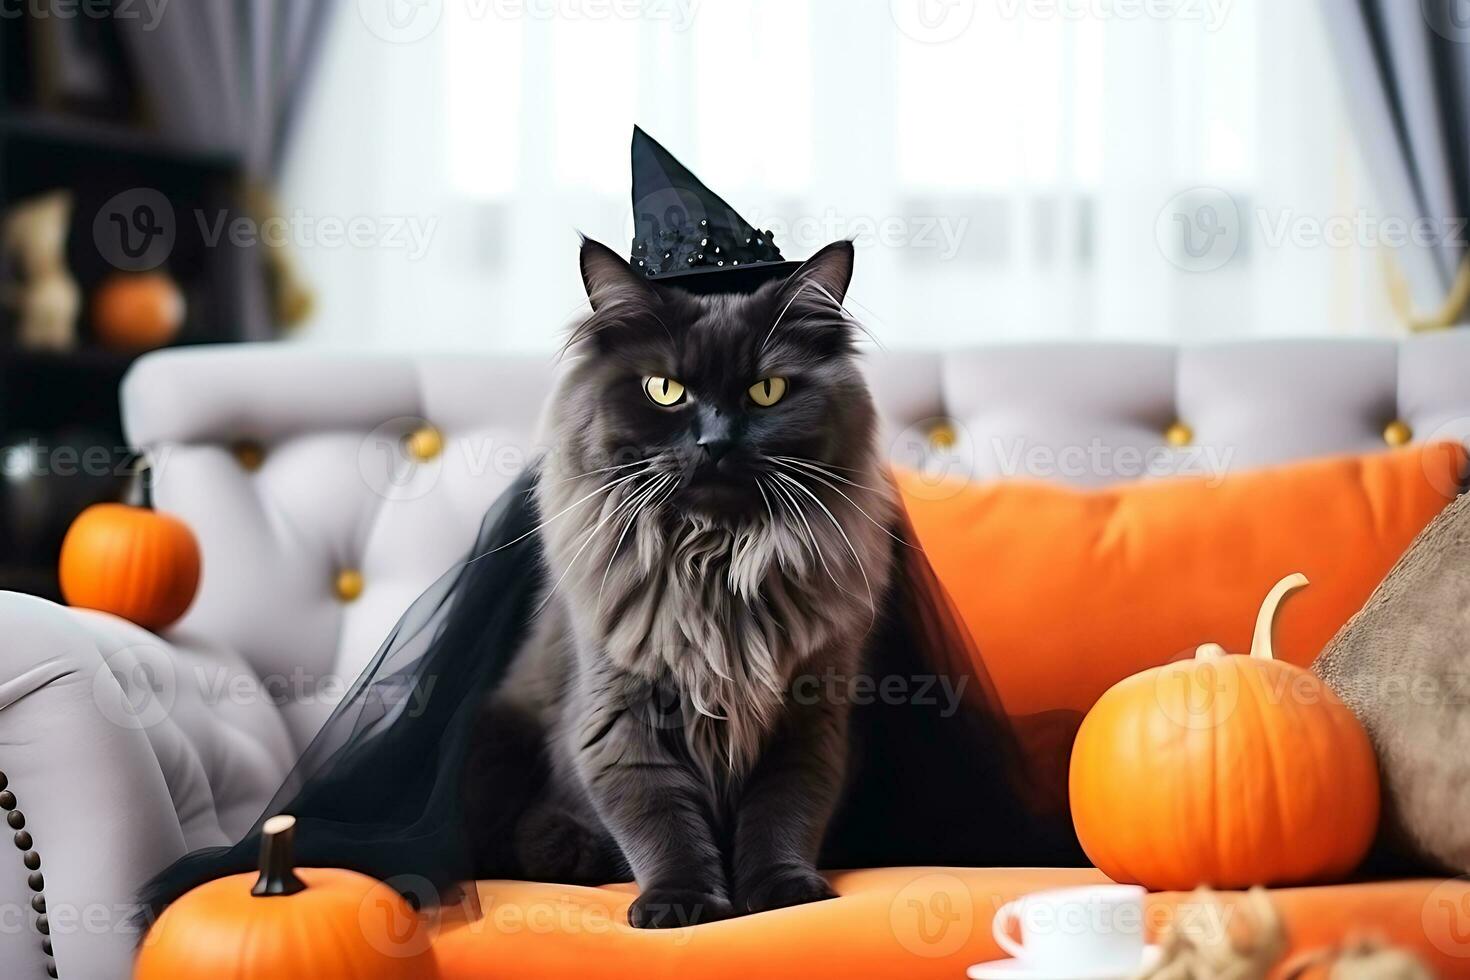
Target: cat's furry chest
[728, 616]
[718, 613]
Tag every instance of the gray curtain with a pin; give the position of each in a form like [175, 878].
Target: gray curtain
[1406, 68]
[230, 75]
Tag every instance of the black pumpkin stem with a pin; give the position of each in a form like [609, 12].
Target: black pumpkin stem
[277, 877]
[138, 488]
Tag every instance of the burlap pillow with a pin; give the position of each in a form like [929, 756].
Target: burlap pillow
[1402, 663]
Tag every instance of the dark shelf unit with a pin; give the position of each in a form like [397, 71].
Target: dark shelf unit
[57, 406]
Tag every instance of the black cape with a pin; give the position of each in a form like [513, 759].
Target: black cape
[933, 781]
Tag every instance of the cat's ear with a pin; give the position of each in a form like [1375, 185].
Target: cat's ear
[609, 279]
[829, 272]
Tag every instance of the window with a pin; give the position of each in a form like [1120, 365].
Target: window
[1037, 174]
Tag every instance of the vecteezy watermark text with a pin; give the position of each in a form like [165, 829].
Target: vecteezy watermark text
[1210, 13]
[1096, 459]
[409, 21]
[1362, 228]
[148, 11]
[939, 233]
[410, 233]
[923, 690]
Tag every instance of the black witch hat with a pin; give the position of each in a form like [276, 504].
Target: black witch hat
[685, 235]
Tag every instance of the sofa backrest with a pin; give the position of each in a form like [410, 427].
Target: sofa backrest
[328, 489]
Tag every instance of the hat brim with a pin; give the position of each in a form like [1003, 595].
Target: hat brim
[729, 279]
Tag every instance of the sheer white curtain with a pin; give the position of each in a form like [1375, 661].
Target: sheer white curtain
[1024, 169]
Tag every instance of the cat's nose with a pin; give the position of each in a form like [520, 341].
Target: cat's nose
[716, 433]
[716, 446]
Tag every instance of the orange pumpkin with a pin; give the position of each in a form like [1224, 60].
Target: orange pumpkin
[132, 562]
[322, 923]
[137, 312]
[1227, 771]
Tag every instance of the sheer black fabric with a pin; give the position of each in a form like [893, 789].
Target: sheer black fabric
[937, 779]
[378, 790]
[933, 780]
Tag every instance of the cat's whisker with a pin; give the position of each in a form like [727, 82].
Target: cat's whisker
[847, 317]
[815, 473]
[565, 510]
[765, 499]
[643, 495]
[579, 476]
[826, 470]
[857, 559]
[789, 505]
[830, 466]
[779, 316]
[587, 540]
[770, 513]
[809, 540]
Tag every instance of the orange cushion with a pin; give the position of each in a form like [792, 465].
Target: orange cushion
[1069, 591]
[916, 923]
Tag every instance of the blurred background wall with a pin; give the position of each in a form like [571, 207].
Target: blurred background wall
[1010, 168]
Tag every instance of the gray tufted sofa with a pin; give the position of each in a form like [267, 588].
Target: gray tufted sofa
[328, 489]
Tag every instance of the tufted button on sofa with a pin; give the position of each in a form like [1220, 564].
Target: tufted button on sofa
[327, 490]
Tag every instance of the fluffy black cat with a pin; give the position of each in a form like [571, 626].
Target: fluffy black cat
[696, 643]
[717, 525]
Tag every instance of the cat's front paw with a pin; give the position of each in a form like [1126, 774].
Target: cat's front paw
[784, 887]
[670, 908]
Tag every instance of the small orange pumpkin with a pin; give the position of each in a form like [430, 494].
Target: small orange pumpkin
[323, 923]
[1226, 771]
[130, 561]
[137, 311]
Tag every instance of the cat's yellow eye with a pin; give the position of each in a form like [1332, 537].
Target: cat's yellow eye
[768, 391]
[663, 391]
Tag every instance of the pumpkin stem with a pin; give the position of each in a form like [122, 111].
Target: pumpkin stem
[138, 491]
[1208, 651]
[276, 875]
[1266, 618]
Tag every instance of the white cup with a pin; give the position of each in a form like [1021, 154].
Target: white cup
[1093, 927]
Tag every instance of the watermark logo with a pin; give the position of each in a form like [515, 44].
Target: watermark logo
[1446, 917]
[1440, 459]
[1199, 230]
[389, 921]
[1198, 694]
[933, 916]
[939, 453]
[401, 21]
[136, 687]
[1450, 19]
[135, 230]
[391, 465]
[932, 21]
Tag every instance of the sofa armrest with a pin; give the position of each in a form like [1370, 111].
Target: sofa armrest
[120, 752]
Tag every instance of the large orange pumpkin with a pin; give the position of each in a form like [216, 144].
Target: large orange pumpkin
[322, 923]
[1227, 771]
[132, 562]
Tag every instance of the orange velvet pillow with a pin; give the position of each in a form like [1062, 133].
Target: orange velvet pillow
[1069, 591]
